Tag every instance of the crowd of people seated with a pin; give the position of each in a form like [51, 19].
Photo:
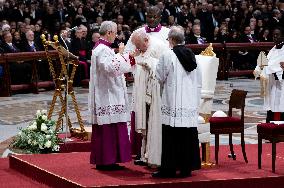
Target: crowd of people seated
[219, 21]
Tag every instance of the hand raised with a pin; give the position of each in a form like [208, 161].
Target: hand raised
[135, 53]
[121, 48]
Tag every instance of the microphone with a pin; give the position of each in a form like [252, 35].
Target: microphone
[73, 29]
[69, 30]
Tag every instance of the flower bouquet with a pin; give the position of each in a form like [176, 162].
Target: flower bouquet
[39, 136]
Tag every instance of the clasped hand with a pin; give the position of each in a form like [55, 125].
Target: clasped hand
[144, 65]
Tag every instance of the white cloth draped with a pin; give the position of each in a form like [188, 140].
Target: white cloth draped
[154, 136]
[209, 68]
[147, 90]
[139, 97]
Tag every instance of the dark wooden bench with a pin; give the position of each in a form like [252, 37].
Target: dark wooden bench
[223, 51]
[6, 88]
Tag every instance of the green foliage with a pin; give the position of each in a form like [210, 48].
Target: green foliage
[39, 136]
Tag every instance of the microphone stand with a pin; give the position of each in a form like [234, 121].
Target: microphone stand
[66, 139]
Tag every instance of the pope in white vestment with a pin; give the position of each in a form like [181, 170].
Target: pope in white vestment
[146, 95]
[108, 104]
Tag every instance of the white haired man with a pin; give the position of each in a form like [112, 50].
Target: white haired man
[180, 78]
[108, 104]
[146, 96]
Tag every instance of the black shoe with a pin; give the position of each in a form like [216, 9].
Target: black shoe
[140, 163]
[162, 174]
[109, 167]
[184, 174]
[137, 157]
[101, 167]
[117, 167]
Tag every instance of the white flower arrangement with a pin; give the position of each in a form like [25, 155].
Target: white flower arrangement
[39, 136]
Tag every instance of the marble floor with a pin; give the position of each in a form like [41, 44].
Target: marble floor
[17, 111]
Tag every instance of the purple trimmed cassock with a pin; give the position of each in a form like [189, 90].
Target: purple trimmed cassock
[108, 106]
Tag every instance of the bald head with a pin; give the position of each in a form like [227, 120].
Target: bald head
[140, 40]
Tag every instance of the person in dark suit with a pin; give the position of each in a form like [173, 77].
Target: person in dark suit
[165, 13]
[247, 59]
[207, 21]
[19, 12]
[139, 15]
[275, 20]
[61, 13]
[35, 13]
[20, 72]
[30, 45]
[196, 38]
[79, 48]
[7, 44]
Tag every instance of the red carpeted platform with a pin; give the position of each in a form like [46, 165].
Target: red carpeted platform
[74, 145]
[11, 178]
[74, 170]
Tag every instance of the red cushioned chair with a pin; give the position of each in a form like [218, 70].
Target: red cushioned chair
[272, 132]
[230, 124]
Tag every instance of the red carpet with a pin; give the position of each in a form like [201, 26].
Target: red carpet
[12, 178]
[74, 170]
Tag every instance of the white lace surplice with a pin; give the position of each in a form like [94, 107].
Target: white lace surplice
[107, 100]
[181, 92]
[274, 99]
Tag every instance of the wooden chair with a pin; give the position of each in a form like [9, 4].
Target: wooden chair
[230, 124]
[272, 132]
